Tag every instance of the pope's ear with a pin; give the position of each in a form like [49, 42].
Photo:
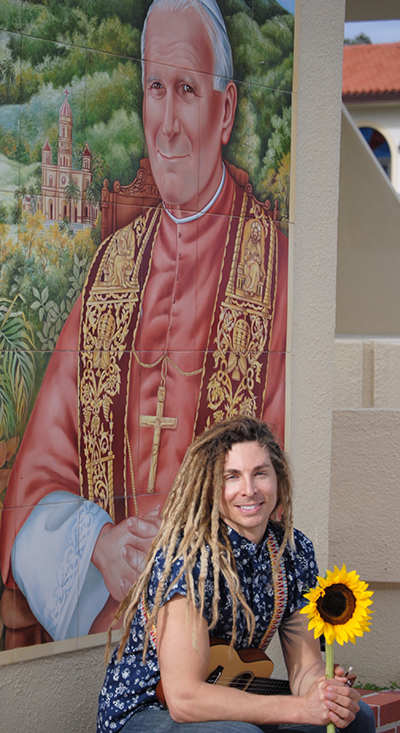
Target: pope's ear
[230, 102]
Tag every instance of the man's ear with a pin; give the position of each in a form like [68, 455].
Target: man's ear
[230, 103]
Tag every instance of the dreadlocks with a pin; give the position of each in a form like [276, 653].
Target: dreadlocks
[191, 525]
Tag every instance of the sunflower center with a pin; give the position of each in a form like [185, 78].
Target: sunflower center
[337, 605]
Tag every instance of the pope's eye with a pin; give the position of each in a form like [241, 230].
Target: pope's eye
[188, 88]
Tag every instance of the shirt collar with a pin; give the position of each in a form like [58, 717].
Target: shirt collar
[243, 545]
[193, 217]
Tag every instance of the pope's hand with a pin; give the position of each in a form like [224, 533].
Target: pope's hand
[120, 551]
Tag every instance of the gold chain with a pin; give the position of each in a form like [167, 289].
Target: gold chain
[131, 470]
[168, 359]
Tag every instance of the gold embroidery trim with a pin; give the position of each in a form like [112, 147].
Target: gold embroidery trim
[244, 320]
[109, 311]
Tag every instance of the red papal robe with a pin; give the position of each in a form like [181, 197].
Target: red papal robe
[165, 305]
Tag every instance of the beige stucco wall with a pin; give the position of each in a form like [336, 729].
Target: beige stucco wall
[372, 10]
[384, 117]
[368, 258]
[367, 372]
[364, 528]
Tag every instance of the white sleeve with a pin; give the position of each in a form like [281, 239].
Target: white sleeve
[51, 563]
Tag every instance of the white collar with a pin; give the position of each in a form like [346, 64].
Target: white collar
[208, 206]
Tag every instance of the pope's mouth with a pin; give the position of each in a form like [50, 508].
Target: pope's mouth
[172, 158]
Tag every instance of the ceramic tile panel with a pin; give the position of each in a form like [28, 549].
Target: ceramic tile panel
[271, 112]
[54, 21]
[10, 15]
[114, 129]
[32, 619]
[7, 594]
[272, 46]
[82, 62]
[273, 410]
[8, 229]
[115, 29]
[13, 155]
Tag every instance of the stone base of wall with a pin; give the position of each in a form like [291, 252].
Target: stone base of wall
[386, 708]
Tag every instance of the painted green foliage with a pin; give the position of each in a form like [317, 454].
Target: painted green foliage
[92, 48]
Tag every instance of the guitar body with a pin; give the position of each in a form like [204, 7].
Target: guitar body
[245, 669]
[236, 668]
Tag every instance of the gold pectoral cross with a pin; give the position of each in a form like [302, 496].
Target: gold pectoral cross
[158, 422]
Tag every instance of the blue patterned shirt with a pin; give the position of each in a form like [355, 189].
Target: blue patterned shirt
[130, 685]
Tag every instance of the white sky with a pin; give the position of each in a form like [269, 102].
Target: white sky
[379, 31]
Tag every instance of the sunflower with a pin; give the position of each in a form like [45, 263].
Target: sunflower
[338, 606]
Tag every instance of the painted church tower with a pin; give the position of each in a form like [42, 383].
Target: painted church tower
[65, 134]
[55, 203]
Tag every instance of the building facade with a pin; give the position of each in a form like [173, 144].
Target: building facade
[63, 189]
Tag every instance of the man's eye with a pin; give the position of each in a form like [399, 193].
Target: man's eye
[156, 85]
[188, 88]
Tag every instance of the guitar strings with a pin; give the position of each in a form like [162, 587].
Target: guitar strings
[257, 685]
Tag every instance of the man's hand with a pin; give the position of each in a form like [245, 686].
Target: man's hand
[341, 700]
[330, 701]
[120, 551]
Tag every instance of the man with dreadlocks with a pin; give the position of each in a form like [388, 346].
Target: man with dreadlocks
[223, 563]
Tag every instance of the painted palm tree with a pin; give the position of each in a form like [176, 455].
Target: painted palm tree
[93, 192]
[17, 369]
[7, 74]
[72, 193]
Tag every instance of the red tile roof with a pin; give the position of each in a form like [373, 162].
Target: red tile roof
[371, 69]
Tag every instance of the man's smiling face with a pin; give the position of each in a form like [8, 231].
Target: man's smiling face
[250, 490]
[184, 116]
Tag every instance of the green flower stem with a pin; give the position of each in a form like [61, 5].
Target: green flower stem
[330, 728]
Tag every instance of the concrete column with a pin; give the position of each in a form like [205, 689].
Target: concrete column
[315, 187]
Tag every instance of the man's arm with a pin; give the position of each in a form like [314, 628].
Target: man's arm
[190, 699]
[306, 668]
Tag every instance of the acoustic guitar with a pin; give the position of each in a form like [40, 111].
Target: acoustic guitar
[246, 669]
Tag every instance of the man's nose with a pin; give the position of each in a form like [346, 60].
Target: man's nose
[248, 486]
[170, 126]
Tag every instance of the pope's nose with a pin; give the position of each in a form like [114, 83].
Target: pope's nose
[170, 124]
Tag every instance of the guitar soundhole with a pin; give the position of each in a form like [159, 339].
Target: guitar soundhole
[241, 681]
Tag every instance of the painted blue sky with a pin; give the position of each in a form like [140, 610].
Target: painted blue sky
[287, 4]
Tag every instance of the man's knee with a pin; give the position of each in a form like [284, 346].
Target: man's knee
[365, 719]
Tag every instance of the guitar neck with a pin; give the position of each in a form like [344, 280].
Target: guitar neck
[246, 681]
[270, 686]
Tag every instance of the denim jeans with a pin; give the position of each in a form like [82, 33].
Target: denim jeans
[152, 720]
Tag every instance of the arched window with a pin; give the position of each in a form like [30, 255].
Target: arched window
[379, 146]
[50, 180]
[51, 210]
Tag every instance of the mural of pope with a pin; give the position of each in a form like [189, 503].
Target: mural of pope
[182, 322]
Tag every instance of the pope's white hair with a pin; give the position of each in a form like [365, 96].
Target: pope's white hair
[215, 26]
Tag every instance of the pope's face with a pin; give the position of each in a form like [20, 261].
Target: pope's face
[185, 120]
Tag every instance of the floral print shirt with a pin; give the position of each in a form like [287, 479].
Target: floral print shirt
[130, 685]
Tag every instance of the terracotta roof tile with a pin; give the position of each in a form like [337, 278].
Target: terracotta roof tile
[371, 68]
